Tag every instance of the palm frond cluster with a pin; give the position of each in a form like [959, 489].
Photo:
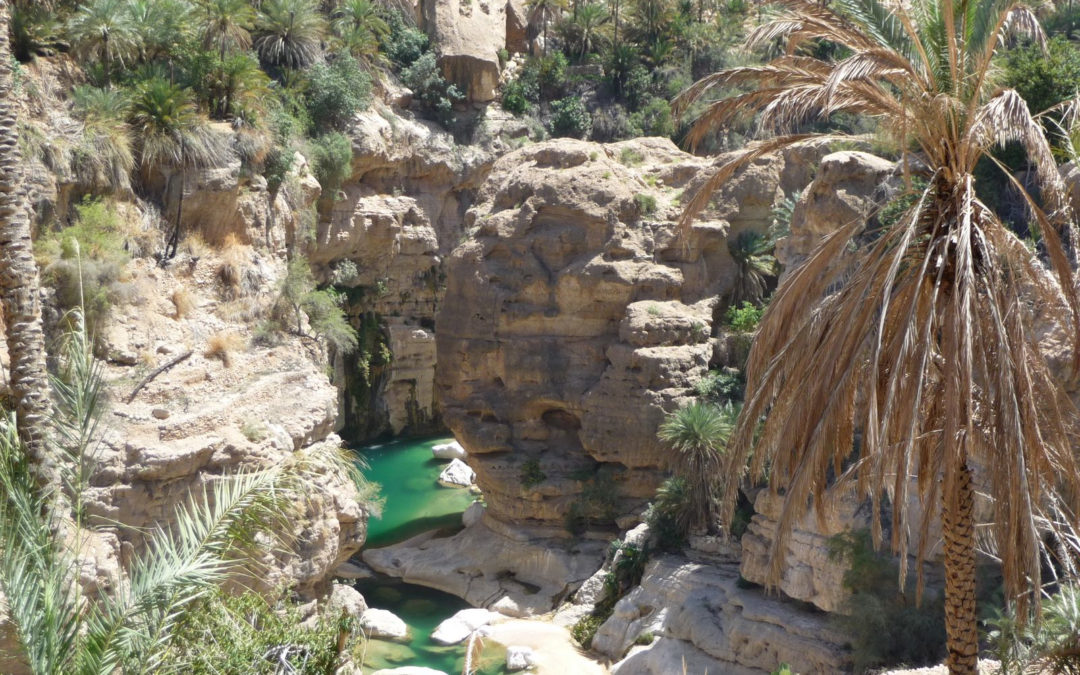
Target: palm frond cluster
[128, 628]
[923, 371]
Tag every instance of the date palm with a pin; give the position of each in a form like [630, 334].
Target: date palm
[754, 263]
[104, 30]
[172, 137]
[587, 30]
[360, 27]
[226, 24]
[19, 286]
[289, 33]
[698, 434]
[542, 13]
[923, 336]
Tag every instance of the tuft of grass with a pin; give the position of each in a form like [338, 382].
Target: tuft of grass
[254, 431]
[630, 157]
[646, 204]
[222, 346]
[232, 272]
[183, 302]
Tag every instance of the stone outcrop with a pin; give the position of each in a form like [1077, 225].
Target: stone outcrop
[469, 35]
[699, 614]
[849, 185]
[575, 317]
[387, 249]
[508, 570]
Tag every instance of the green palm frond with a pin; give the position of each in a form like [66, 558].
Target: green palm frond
[698, 434]
[289, 33]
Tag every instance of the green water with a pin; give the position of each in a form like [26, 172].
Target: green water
[415, 503]
[422, 609]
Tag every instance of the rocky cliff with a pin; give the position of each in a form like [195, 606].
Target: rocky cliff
[575, 317]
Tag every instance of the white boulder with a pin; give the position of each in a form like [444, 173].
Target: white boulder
[457, 474]
[384, 624]
[519, 658]
[452, 450]
[457, 628]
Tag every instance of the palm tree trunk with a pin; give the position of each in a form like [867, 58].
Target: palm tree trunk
[19, 286]
[958, 526]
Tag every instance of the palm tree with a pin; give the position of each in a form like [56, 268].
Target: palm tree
[19, 287]
[161, 25]
[587, 29]
[104, 159]
[698, 435]
[172, 137]
[919, 335]
[360, 27]
[103, 30]
[543, 12]
[754, 262]
[227, 24]
[289, 33]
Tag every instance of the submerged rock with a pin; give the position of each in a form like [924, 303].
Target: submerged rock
[458, 474]
[409, 670]
[384, 624]
[457, 628]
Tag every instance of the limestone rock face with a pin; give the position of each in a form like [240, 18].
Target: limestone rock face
[809, 574]
[574, 318]
[389, 251]
[469, 35]
[698, 613]
[849, 186]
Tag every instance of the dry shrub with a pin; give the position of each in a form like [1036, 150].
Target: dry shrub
[195, 246]
[235, 267]
[222, 345]
[242, 310]
[183, 302]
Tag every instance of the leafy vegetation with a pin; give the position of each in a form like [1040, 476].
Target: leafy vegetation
[531, 474]
[744, 319]
[697, 434]
[886, 624]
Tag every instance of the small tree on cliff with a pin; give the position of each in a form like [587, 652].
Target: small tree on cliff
[928, 346]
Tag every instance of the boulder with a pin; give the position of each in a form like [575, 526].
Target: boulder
[699, 613]
[457, 474]
[519, 658]
[467, 35]
[345, 599]
[452, 450]
[384, 624]
[459, 627]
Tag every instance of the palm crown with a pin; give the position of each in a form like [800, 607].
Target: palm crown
[928, 349]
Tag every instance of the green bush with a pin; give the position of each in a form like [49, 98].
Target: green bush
[885, 624]
[654, 118]
[331, 161]
[531, 474]
[670, 513]
[336, 92]
[299, 297]
[430, 88]
[515, 98]
[85, 263]
[744, 319]
[405, 43]
[247, 634]
[646, 204]
[721, 386]
[1044, 77]
[585, 629]
[570, 118]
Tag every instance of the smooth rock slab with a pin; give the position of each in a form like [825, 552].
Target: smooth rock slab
[473, 514]
[459, 627]
[384, 625]
[452, 450]
[458, 474]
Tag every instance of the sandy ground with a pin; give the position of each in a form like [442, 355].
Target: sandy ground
[555, 651]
